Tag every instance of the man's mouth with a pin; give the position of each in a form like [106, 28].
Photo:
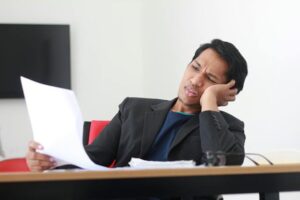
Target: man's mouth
[190, 91]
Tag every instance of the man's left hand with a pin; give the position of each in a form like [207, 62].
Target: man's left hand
[218, 95]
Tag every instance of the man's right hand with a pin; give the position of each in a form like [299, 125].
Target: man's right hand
[37, 161]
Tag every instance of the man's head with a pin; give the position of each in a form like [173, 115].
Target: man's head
[217, 62]
[237, 65]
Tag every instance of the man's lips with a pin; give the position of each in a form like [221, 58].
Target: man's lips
[190, 91]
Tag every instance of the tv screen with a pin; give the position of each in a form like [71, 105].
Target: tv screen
[38, 52]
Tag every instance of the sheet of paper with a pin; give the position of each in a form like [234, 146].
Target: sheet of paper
[57, 123]
[145, 164]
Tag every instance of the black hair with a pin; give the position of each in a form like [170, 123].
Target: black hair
[237, 64]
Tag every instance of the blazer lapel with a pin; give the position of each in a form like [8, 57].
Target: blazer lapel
[152, 124]
[186, 129]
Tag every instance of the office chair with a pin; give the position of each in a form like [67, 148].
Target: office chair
[92, 129]
[14, 165]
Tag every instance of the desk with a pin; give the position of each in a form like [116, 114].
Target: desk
[266, 180]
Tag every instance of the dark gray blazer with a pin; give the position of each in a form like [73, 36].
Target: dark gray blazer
[133, 129]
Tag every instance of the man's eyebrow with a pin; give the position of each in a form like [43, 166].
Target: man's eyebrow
[197, 63]
[208, 74]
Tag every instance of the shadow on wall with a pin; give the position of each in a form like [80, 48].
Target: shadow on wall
[1, 151]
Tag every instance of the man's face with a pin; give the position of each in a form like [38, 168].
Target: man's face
[206, 70]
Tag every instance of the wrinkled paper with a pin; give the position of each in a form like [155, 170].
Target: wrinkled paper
[57, 123]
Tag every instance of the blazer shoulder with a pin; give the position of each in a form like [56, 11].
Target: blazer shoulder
[138, 102]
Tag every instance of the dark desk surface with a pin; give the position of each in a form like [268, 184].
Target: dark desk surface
[151, 182]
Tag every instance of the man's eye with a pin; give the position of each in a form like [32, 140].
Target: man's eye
[211, 80]
[196, 67]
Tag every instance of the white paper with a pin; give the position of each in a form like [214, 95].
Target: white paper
[144, 164]
[57, 123]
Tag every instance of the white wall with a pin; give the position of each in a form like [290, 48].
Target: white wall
[106, 58]
[266, 32]
[141, 47]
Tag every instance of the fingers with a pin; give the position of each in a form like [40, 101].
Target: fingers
[231, 83]
[229, 94]
[225, 103]
[230, 98]
[38, 156]
[40, 164]
[232, 92]
[33, 146]
[37, 161]
[222, 93]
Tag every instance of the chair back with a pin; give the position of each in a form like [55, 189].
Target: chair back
[14, 165]
[92, 129]
[95, 129]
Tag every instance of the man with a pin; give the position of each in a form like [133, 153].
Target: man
[181, 129]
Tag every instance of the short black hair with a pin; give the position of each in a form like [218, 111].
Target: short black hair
[238, 69]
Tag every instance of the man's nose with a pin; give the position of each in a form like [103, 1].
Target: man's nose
[198, 79]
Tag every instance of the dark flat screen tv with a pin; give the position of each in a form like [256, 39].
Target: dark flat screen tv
[38, 52]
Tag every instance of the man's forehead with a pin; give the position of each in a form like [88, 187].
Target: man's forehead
[209, 55]
[215, 64]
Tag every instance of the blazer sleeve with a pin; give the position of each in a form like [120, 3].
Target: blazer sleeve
[104, 148]
[221, 132]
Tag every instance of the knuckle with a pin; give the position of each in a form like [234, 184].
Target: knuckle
[34, 156]
[45, 164]
[37, 168]
[30, 155]
[38, 162]
[31, 144]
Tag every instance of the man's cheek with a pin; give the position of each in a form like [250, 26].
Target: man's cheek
[202, 89]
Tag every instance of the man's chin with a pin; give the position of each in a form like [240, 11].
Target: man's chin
[190, 103]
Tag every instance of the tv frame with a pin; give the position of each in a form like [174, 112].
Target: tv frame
[59, 59]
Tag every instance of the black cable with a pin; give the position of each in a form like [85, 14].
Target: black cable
[214, 158]
[256, 163]
[264, 157]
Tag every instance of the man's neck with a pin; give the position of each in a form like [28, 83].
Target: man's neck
[179, 106]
